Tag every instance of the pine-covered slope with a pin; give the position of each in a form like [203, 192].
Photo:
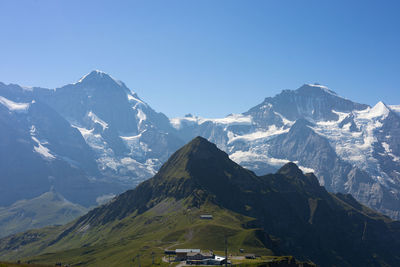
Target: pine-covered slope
[284, 213]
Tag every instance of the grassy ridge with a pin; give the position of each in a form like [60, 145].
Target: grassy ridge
[163, 227]
[48, 209]
[11, 264]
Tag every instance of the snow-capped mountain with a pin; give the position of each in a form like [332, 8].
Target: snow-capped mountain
[130, 140]
[351, 147]
[88, 140]
[94, 138]
[40, 150]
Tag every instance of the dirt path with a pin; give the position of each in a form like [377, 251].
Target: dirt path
[182, 263]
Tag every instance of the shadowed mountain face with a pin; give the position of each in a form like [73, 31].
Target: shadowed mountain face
[295, 215]
[351, 147]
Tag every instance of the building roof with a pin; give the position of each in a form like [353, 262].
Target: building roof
[204, 254]
[219, 258]
[187, 250]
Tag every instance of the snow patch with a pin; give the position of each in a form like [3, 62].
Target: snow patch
[84, 132]
[40, 148]
[389, 151]
[358, 147]
[270, 132]
[101, 74]
[137, 148]
[134, 98]
[131, 138]
[251, 156]
[233, 119]
[306, 170]
[97, 120]
[27, 88]
[125, 165]
[324, 88]
[395, 108]
[285, 121]
[141, 116]
[14, 106]
[379, 110]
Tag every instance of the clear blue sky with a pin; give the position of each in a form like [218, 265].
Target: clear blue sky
[209, 58]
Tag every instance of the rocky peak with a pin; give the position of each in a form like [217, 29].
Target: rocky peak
[313, 101]
[315, 90]
[197, 153]
[290, 170]
[97, 77]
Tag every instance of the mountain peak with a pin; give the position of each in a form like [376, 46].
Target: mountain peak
[200, 162]
[290, 169]
[381, 107]
[97, 76]
[378, 111]
[199, 141]
[316, 88]
[199, 149]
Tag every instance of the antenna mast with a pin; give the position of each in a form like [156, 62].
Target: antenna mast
[226, 251]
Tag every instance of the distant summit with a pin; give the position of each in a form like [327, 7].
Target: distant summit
[311, 101]
[98, 77]
[316, 88]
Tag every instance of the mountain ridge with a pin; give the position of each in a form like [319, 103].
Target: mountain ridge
[354, 139]
[113, 140]
[291, 212]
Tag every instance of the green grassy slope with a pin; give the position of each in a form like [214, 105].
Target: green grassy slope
[170, 224]
[49, 208]
[11, 264]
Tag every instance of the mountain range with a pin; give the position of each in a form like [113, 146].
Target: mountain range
[351, 147]
[286, 213]
[96, 138]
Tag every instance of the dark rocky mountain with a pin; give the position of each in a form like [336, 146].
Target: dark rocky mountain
[351, 147]
[290, 212]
